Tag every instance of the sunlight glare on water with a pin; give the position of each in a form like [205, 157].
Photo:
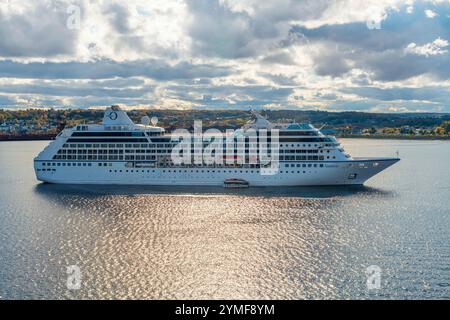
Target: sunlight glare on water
[211, 243]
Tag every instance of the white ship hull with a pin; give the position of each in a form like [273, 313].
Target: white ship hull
[352, 172]
[120, 152]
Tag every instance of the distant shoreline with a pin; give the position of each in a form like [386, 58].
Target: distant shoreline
[27, 138]
[353, 136]
[392, 137]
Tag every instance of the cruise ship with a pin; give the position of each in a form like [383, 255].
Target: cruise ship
[261, 153]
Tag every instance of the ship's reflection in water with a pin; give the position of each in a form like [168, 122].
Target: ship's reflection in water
[162, 242]
[194, 243]
[131, 190]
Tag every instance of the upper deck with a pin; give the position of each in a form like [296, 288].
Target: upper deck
[119, 138]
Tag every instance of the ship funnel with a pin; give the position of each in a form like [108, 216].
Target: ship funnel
[116, 116]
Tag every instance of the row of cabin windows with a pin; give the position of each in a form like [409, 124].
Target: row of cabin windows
[109, 134]
[167, 145]
[146, 157]
[203, 171]
[117, 151]
[298, 133]
[105, 164]
[300, 151]
[69, 164]
[300, 158]
[185, 171]
[281, 158]
[140, 133]
[66, 164]
[303, 158]
[269, 139]
[302, 165]
[121, 151]
[169, 151]
[84, 164]
[102, 157]
[115, 133]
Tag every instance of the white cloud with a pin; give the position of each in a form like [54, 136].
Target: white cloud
[437, 47]
[430, 13]
[316, 13]
[108, 30]
[238, 52]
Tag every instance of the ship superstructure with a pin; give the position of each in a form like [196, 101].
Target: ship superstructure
[118, 151]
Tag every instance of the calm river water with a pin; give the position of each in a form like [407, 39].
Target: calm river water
[207, 243]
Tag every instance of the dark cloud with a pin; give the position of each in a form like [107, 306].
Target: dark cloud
[38, 32]
[433, 94]
[232, 94]
[283, 58]
[71, 90]
[326, 96]
[118, 15]
[103, 69]
[381, 51]
[395, 65]
[361, 79]
[118, 82]
[107, 101]
[396, 32]
[6, 101]
[329, 64]
[219, 31]
[280, 79]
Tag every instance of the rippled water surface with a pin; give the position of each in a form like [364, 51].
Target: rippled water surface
[194, 243]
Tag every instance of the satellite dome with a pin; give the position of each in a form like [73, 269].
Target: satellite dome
[154, 121]
[145, 120]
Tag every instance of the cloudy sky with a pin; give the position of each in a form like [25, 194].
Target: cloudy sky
[369, 55]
